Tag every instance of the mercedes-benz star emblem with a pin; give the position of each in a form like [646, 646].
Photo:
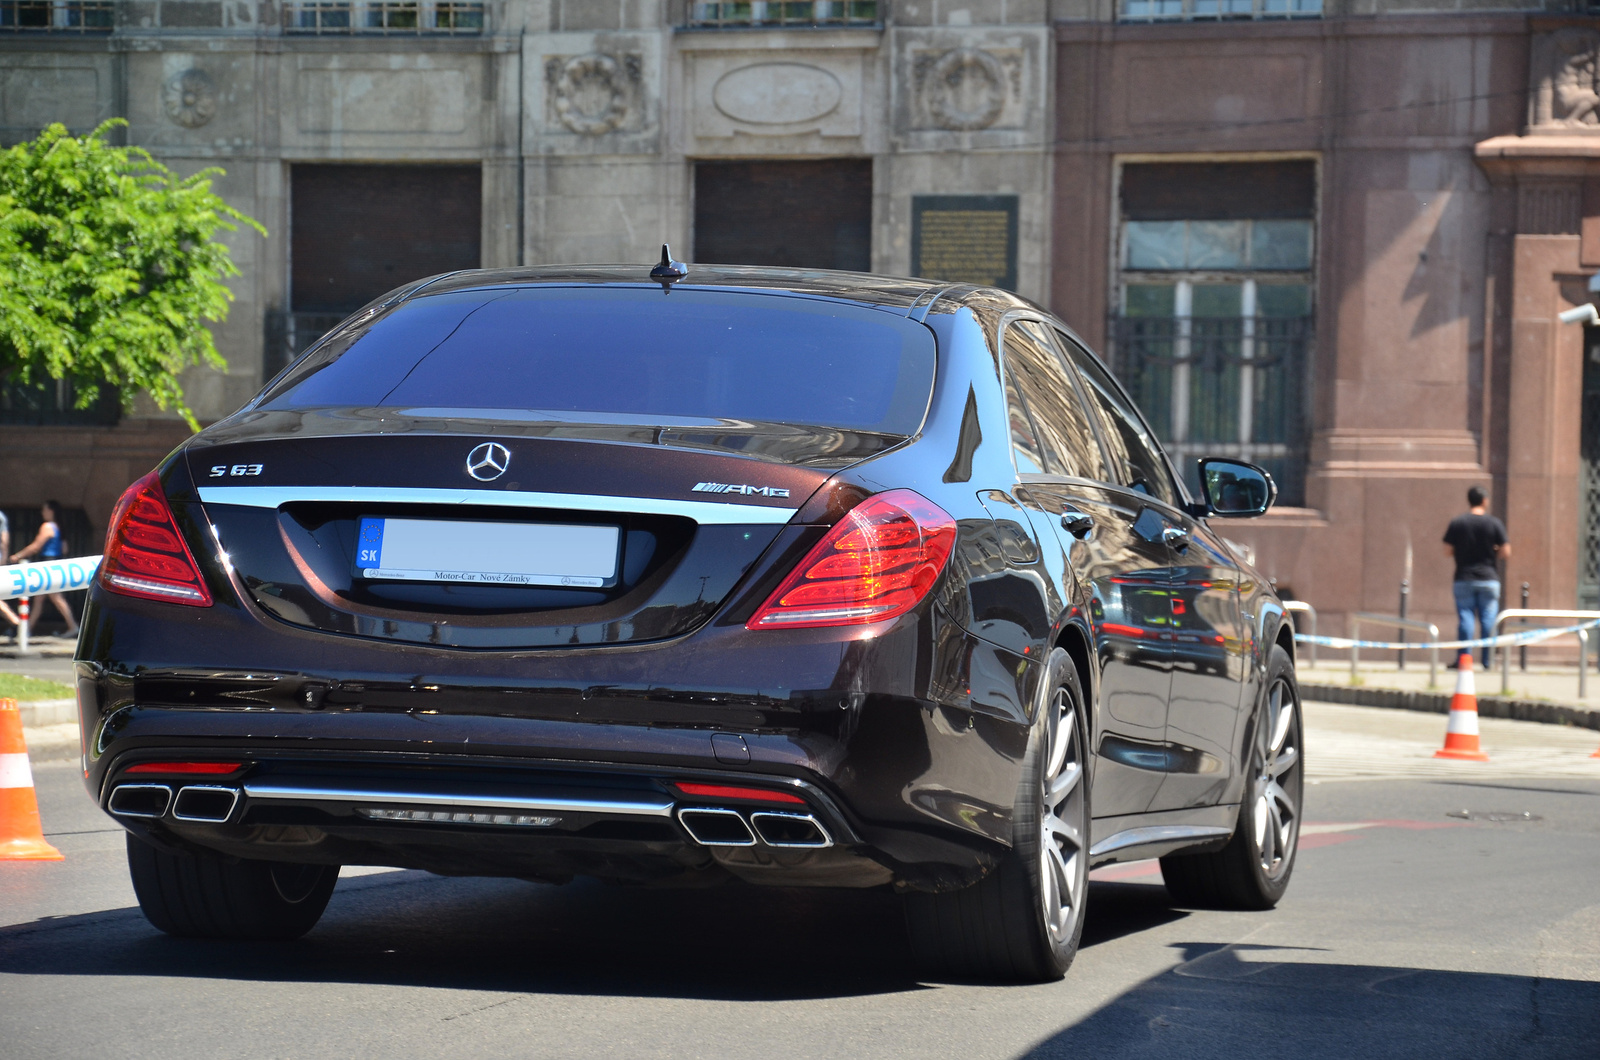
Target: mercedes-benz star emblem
[488, 461]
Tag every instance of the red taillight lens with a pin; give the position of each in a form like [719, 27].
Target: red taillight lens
[877, 564]
[145, 554]
[186, 767]
[728, 791]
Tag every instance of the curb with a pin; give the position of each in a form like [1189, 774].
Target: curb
[39, 712]
[1583, 717]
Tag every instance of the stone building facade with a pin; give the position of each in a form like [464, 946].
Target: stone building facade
[1328, 235]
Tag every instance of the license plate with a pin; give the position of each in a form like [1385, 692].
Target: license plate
[451, 550]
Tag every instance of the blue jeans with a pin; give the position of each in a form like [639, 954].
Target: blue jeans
[1480, 601]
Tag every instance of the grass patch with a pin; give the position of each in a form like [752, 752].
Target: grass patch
[15, 686]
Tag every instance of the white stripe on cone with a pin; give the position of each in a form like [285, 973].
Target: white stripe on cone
[1463, 722]
[14, 771]
[1465, 686]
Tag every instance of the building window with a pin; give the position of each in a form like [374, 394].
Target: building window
[1212, 328]
[784, 13]
[55, 16]
[1209, 10]
[53, 403]
[448, 17]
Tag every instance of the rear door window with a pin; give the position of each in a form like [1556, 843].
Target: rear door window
[1133, 449]
[1067, 441]
[629, 354]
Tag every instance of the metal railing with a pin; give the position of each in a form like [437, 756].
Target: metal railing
[1395, 622]
[1522, 614]
[1300, 607]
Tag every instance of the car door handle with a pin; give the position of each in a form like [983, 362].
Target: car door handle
[1079, 524]
[1177, 538]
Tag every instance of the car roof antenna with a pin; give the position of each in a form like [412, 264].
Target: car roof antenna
[668, 272]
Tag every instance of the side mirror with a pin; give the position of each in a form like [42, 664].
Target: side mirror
[1236, 489]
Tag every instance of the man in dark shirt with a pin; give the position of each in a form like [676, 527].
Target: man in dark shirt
[1475, 541]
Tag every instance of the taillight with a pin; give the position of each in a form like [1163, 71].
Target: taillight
[185, 767]
[145, 554]
[729, 791]
[876, 564]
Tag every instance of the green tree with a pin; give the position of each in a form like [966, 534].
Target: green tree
[109, 269]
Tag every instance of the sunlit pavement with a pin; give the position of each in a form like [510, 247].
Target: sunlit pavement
[1410, 931]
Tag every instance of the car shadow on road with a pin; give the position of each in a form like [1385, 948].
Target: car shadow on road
[1225, 1002]
[733, 942]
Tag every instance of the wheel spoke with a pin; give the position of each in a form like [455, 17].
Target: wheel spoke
[1261, 821]
[1063, 784]
[1276, 796]
[1285, 761]
[1055, 826]
[1061, 734]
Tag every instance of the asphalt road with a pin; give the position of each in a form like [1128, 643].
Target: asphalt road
[1406, 933]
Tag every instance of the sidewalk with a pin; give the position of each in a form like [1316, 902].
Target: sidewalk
[1542, 693]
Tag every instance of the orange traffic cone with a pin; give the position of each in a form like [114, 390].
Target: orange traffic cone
[1461, 735]
[21, 838]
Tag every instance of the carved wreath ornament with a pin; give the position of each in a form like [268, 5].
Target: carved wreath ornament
[591, 94]
[190, 98]
[966, 89]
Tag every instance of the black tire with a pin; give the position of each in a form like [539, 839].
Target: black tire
[1253, 870]
[1000, 927]
[209, 897]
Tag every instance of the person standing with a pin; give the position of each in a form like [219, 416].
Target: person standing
[5, 550]
[1476, 541]
[50, 545]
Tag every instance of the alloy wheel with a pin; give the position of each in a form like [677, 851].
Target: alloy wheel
[1063, 853]
[1278, 787]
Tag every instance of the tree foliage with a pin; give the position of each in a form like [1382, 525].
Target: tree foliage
[109, 269]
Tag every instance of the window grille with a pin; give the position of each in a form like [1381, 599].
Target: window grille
[1221, 386]
[784, 13]
[1209, 10]
[55, 16]
[331, 17]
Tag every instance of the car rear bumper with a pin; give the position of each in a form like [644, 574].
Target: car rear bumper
[903, 743]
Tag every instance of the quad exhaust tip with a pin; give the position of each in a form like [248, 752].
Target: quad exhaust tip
[140, 800]
[202, 803]
[730, 828]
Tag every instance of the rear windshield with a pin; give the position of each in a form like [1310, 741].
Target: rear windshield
[573, 353]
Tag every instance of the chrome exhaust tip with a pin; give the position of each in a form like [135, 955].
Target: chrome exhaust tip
[205, 803]
[139, 800]
[790, 830]
[717, 828]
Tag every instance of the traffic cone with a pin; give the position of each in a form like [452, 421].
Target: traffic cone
[1461, 735]
[21, 838]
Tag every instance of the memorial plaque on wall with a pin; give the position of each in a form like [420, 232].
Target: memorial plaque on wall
[965, 238]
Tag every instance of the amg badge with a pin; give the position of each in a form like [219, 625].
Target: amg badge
[725, 487]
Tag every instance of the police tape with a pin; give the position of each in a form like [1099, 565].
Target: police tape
[1504, 640]
[51, 576]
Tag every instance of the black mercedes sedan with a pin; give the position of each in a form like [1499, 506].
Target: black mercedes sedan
[686, 576]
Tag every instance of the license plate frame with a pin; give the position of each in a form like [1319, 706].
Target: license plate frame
[485, 552]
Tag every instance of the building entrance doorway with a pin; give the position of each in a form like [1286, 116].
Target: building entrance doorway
[801, 215]
[359, 231]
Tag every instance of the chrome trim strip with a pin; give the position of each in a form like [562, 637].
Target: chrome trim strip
[643, 806]
[1165, 833]
[233, 805]
[706, 513]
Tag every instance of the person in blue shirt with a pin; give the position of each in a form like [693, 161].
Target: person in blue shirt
[49, 545]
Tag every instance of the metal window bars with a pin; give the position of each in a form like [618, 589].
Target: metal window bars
[778, 13]
[384, 17]
[1221, 386]
[56, 16]
[1216, 10]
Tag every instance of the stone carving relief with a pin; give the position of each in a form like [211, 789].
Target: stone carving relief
[1564, 69]
[966, 89]
[594, 94]
[190, 98]
[735, 94]
[777, 94]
